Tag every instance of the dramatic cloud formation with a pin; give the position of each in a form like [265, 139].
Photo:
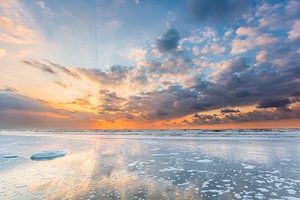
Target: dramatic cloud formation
[227, 62]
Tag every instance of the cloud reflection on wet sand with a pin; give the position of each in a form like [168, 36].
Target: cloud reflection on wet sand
[97, 167]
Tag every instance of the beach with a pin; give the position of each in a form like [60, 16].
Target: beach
[160, 165]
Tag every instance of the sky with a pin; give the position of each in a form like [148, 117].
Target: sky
[149, 64]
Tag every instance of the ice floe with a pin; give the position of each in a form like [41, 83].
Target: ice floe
[11, 156]
[47, 155]
[133, 164]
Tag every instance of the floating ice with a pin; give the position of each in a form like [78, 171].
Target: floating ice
[11, 156]
[47, 155]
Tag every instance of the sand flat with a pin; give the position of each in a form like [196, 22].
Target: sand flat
[141, 166]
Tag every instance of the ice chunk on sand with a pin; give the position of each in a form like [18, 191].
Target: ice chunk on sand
[48, 155]
[11, 156]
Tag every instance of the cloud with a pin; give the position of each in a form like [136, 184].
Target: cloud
[110, 101]
[178, 77]
[13, 101]
[239, 84]
[169, 41]
[41, 66]
[249, 38]
[292, 7]
[246, 31]
[256, 115]
[52, 68]
[215, 10]
[60, 84]
[261, 56]
[23, 111]
[294, 33]
[8, 89]
[136, 1]
[6, 23]
[196, 51]
[227, 110]
[207, 34]
[64, 69]
[174, 86]
[17, 33]
[41, 4]
[274, 103]
[116, 74]
[214, 48]
[137, 54]
[177, 64]
[2, 53]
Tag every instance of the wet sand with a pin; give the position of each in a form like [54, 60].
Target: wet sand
[238, 166]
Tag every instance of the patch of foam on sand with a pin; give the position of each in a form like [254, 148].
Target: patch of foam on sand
[133, 164]
[246, 166]
[169, 169]
[204, 161]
